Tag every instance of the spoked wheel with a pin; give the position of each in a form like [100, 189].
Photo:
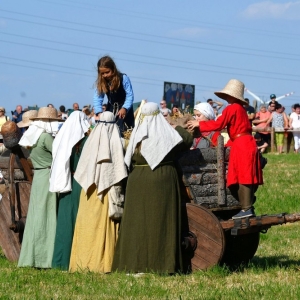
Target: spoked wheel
[240, 249]
[210, 237]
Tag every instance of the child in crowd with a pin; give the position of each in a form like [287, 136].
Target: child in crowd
[260, 143]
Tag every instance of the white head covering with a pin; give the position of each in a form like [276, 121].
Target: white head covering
[36, 128]
[70, 134]
[206, 110]
[102, 158]
[158, 137]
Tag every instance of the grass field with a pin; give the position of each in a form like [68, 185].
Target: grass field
[273, 273]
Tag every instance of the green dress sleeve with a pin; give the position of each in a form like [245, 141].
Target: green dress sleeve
[186, 137]
[48, 141]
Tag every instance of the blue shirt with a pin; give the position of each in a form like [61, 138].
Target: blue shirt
[98, 98]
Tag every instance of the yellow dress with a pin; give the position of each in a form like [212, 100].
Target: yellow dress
[95, 235]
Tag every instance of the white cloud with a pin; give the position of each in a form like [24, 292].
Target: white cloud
[191, 32]
[269, 9]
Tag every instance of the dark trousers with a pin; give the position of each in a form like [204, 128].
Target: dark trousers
[244, 193]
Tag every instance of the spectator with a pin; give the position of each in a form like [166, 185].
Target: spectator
[175, 111]
[294, 124]
[75, 106]
[17, 114]
[271, 107]
[273, 99]
[279, 122]
[64, 115]
[250, 111]
[260, 121]
[163, 108]
[50, 105]
[90, 115]
[104, 107]
[3, 119]
[212, 102]
[260, 143]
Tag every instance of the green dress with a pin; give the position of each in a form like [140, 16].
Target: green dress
[67, 212]
[150, 233]
[38, 240]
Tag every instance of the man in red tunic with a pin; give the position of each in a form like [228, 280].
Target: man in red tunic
[244, 170]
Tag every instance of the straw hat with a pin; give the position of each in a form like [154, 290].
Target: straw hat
[26, 118]
[235, 89]
[47, 114]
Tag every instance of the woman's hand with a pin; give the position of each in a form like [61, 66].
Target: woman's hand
[192, 124]
[122, 113]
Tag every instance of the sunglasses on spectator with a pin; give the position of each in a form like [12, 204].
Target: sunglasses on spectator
[162, 103]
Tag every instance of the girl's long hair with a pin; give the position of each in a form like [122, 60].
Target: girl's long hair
[102, 85]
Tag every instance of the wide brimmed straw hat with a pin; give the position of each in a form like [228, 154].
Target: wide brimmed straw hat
[26, 118]
[235, 89]
[47, 114]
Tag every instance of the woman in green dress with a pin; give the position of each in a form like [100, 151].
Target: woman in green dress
[150, 233]
[38, 240]
[67, 148]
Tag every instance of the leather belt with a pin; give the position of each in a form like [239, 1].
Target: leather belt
[41, 168]
[240, 134]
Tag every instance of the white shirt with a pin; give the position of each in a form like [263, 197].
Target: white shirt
[295, 120]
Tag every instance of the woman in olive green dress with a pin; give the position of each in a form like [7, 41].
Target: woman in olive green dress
[150, 233]
[38, 240]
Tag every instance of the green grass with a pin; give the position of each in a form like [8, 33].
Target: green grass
[273, 273]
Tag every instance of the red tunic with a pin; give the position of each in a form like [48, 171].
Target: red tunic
[244, 166]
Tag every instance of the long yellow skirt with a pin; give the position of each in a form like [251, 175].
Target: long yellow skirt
[95, 235]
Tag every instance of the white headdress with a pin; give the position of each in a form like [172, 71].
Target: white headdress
[70, 134]
[206, 110]
[36, 128]
[158, 137]
[102, 158]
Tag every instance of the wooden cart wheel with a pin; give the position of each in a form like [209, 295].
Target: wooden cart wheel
[240, 249]
[210, 237]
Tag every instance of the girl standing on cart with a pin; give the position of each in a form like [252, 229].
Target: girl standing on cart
[117, 87]
[244, 170]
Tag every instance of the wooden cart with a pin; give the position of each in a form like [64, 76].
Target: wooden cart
[212, 237]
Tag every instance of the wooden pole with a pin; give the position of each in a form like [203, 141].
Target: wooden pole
[272, 140]
[221, 171]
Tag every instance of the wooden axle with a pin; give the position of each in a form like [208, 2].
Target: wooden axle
[259, 223]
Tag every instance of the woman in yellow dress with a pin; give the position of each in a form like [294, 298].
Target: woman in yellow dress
[100, 170]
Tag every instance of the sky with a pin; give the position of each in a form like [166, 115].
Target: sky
[49, 48]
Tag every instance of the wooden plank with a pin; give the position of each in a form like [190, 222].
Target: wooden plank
[9, 240]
